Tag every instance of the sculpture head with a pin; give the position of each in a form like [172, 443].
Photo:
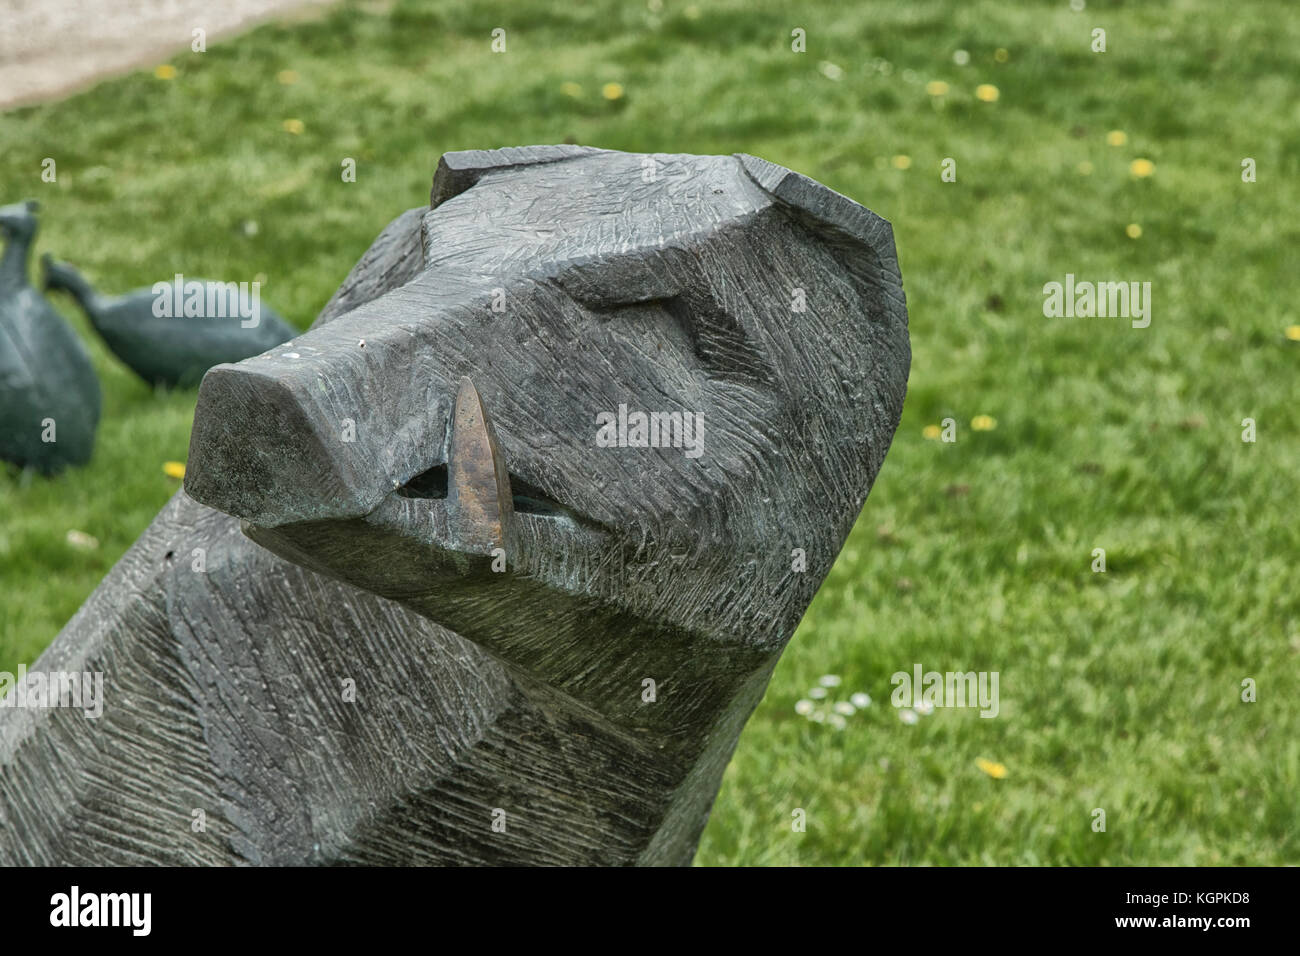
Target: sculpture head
[470, 443]
[18, 221]
[64, 277]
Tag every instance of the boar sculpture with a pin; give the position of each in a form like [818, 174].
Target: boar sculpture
[492, 564]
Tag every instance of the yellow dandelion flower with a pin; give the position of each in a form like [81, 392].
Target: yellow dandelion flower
[1133, 231]
[994, 769]
[165, 72]
[612, 91]
[174, 469]
[986, 92]
[1001, 55]
[294, 126]
[983, 423]
[1142, 168]
[1084, 168]
[931, 432]
[287, 77]
[571, 89]
[1116, 137]
[1293, 333]
[936, 87]
[901, 162]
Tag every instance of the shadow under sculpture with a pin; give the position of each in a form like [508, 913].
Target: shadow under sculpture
[475, 622]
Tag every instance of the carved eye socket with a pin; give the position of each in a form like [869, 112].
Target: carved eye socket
[627, 288]
[719, 341]
[527, 499]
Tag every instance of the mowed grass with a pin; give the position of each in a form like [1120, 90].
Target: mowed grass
[1119, 691]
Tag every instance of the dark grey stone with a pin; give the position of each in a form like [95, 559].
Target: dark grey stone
[437, 523]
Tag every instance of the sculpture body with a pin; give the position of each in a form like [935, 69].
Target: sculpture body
[173, 332]
[49, 394]
[430, 509]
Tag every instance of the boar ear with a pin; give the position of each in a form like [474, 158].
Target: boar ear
[397, 254]
[459, 171]
[849, 226]
[393, 259]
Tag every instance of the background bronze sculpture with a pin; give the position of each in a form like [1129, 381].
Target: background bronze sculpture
[174, 331]
[49, 395]
[440, 651]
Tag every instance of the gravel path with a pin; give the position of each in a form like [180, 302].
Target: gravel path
[50, 48]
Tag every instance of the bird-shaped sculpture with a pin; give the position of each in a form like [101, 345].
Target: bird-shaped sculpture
[173, 332]
[49, 395]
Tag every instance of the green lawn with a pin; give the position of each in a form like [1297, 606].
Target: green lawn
[1119, 691]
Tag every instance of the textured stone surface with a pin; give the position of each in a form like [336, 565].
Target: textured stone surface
[45, 373]
[437, 522]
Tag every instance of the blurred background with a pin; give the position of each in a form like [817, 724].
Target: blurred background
[1120, 690]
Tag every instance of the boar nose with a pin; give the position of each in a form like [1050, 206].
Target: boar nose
[262, 449]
